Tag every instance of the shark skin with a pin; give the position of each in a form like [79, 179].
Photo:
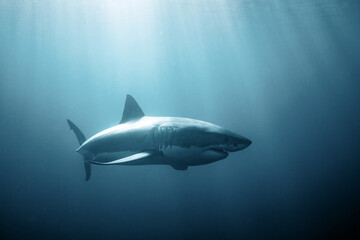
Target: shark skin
[142, 140]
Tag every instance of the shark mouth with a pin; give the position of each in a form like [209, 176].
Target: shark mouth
[219, 150]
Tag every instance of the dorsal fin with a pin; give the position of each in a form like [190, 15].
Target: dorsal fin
[132, 111]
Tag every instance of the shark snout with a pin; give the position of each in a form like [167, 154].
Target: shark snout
[242, 143]
[247, 142]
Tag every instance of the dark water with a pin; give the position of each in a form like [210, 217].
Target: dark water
[283, 73]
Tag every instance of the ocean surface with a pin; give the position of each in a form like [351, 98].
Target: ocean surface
[284, 73]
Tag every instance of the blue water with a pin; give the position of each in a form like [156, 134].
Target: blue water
[284, 73]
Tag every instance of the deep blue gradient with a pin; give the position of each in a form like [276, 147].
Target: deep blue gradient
[284, 73]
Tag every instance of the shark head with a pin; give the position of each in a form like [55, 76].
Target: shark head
[216, 143]
[211, 137]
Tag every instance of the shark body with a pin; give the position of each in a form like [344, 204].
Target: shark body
[142, 140]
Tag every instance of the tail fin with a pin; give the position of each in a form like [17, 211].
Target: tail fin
[87, 166]
[81, 139]
[79, 135]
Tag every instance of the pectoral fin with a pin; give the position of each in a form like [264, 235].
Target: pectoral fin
[179, 166]
[130, 158]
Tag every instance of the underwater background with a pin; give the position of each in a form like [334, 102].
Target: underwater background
[284, 73]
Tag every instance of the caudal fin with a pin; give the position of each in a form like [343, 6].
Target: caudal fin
[87, 166]
[81, 139]
[79, 135]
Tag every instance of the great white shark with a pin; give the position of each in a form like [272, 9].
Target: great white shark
[141, 140]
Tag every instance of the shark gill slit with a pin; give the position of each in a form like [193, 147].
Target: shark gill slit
[160, 138]
[163, 137]
[169, 138]
[162, 143]
[167, 133]
[156, 138]
[166, 138]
